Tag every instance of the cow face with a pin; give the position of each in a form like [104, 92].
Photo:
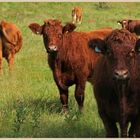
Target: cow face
[120, 49]
[52, 31]
[124, 23]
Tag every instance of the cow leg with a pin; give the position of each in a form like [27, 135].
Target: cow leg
[80, 19]
[79, 92]
[110, 125]
[64, 99]
[10, 61]
[63, 94]
[0, 61]
[124, 127]
[137, 130]
[58, 75]
[77, 19]
[1, 56]
[134, 130]
[74, 18]
[73, 21]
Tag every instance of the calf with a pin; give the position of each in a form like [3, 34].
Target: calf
[77, 15]
[69, 57]
[131, 25]
[10, 42]
[117, 82]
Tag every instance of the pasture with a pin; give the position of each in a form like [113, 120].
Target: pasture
[29, 99]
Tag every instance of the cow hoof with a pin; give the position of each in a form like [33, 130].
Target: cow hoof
[81, 109]
[132, 135]
[64, 109]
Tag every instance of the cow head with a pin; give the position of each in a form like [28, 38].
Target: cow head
[52, 31]
[124, 23]
[119, 49]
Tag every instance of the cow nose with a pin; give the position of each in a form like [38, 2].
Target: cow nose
[121, 74]
[53, 48]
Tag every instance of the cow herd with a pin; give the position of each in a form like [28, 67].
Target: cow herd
[108, 58]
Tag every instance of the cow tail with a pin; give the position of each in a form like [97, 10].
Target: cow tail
[7, 37]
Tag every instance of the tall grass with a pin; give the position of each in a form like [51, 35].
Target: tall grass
[29, 99]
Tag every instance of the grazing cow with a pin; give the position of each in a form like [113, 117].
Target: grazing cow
[69, 56]
[117, 82]
[10, 42]
[131, 25]
[77, 15]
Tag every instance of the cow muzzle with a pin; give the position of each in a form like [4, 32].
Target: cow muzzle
[52, 48]
[121, 75]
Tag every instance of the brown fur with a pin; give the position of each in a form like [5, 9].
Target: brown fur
[118, 96]
[10, 42]
[77, 15]
[131, 25]
[73, 62]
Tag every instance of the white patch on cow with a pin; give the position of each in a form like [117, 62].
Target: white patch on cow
[124, 21]
[37, 32]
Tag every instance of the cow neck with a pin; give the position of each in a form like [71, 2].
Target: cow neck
[122, 97]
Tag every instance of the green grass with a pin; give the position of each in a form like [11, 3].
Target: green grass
[29, 99]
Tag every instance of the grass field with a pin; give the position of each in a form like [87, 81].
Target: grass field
[29, 99]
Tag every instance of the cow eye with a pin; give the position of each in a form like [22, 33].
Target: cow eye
[131, 54]
[97, 50]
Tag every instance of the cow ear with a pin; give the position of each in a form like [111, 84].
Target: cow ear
[69, 27]
[119, 22]
[35, 28]
[129, 21]
[98, 45]
[3, 23]
[137, 47]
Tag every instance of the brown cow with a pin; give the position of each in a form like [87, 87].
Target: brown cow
[10, 42]
[131, 25]
[69, 57]
[117, 82]
[77, 15]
